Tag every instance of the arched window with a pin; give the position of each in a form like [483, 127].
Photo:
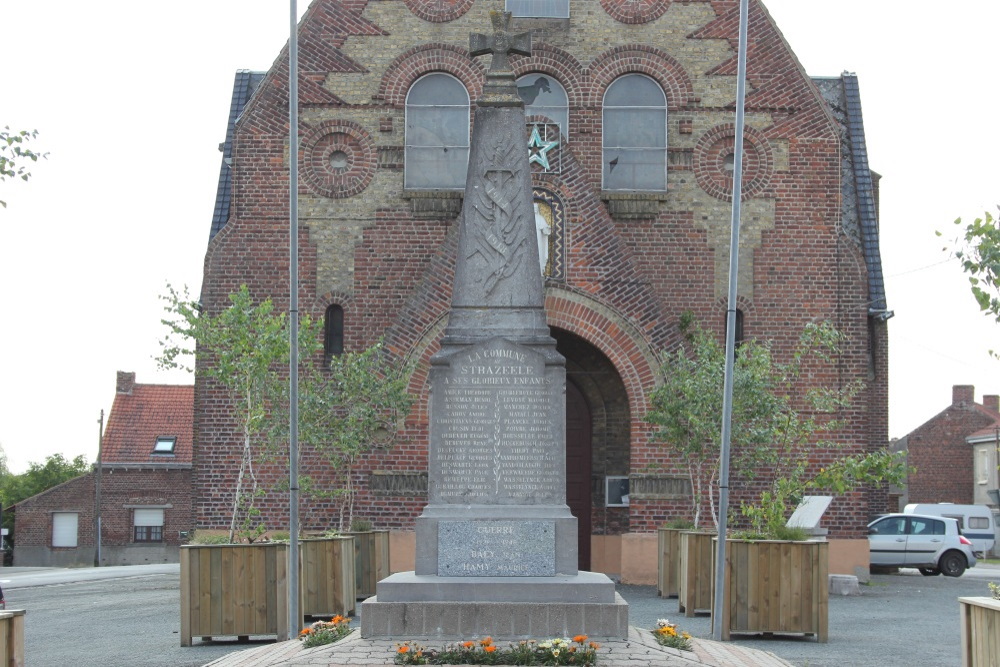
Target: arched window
[738, 335]
[635, 135]
[333, 331]
[437, 133]
[544, 96]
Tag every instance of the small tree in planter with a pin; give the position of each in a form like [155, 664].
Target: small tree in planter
[348, 411]
[245, 349]
[775, 430]
[687, 409]
[795, 425]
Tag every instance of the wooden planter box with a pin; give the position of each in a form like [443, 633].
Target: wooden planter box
[668, 562]
[327, 578]
[234, 589]
[371, 564]
[776, 587]
[696, 572]
[980, 632]
[12, 637]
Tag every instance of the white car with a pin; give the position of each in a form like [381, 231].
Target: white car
[932, 544]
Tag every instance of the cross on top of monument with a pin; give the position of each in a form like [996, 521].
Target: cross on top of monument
[500, 88]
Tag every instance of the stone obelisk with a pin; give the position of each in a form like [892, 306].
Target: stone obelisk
[496, 545]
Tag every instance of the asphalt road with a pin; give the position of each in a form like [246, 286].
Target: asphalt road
[900, 619]
[110, 617]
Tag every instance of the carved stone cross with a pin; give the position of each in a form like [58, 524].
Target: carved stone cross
[500, 88]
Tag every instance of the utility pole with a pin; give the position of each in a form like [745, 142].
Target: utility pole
[97, 490]
[734, 262]
[293, 315]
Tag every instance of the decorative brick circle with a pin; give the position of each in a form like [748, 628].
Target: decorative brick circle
[338, 159]
[713, 166]
[439, 11]
[635, 11]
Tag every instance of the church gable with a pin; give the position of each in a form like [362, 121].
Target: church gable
[631, 119]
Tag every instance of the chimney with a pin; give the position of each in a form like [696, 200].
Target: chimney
[992, 402]
[125, 383]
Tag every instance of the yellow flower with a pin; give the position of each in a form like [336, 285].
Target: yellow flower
[555, 652]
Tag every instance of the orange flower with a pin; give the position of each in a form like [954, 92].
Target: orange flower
[579, 639]
[404, 649]
[595, 645]
[486, 641]
[468, 644]
[489, 649]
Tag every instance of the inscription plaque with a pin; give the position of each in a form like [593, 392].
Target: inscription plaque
[495, 440]
[497, 548]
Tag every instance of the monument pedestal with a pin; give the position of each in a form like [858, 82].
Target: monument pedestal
[409, 605]
[496, 543]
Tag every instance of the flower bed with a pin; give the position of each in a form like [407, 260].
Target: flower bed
[666, 634]
[321, 633]
[576, 651]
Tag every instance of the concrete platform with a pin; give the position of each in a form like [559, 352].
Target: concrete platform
[581, 587]
[640, 648]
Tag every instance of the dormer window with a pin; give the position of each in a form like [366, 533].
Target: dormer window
[548, 9]
[164, 445]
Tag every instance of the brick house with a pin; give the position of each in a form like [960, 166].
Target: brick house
[630, 109]
[145, 488]
[953, 451]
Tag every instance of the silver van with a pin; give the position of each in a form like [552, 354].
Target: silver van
[975, 521]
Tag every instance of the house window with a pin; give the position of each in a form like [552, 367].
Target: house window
[147, 525]
[616, 491]
[333, 331]
[64, 529]
[165, 445]
[544, 96]
[553, 9]
[984, 466]
[635, 135]
[437, 134]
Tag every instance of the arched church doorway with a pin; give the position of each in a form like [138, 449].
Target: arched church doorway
[598, 436]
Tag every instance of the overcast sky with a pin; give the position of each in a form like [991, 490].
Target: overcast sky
[131, 101]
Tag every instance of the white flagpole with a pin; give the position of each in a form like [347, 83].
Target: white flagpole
[734, 263]
[295, 618]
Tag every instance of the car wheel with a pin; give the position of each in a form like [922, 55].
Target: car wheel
[952, 564]
[930, 571]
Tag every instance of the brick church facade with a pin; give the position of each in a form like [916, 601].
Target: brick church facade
[631, 125]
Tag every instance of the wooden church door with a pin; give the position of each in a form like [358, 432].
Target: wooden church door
[578, 467]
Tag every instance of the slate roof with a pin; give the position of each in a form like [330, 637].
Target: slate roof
[859, 214]
[987, 432]
[148, 412]
[243, 88]
[865, 189]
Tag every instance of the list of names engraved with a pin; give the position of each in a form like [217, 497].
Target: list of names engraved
[493, 415]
